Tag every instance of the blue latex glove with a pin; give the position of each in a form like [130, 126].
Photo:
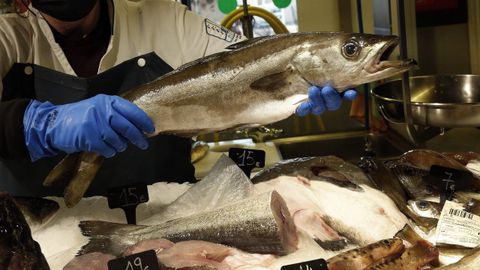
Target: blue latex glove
[320, 99]
[102, 124]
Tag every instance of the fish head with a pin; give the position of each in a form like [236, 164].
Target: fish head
[345, 60]
[17, 248]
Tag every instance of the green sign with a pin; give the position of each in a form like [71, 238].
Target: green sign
[282, 3]
[227, 6]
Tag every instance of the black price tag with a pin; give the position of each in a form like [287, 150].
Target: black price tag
[448, 180]
[127, 198]
[319, 264]
[247, 159]
[146, 260]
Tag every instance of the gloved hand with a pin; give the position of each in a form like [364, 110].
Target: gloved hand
[320, 99]
[102, 124]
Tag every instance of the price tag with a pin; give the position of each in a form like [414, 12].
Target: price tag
[448, 180]
[127, 198]
[247, 159]
[457, 226]
[319, 264]
[146, 260]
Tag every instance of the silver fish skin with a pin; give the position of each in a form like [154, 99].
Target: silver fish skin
[256, 82]
[260, 224]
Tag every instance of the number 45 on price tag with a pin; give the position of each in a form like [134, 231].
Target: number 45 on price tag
[247, 159]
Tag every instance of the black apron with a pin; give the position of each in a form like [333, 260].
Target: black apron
[166, 159]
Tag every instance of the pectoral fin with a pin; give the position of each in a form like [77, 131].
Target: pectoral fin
[273, 81]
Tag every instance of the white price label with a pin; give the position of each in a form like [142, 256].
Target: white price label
[457, 226]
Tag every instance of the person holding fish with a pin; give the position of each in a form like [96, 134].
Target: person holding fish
[64, 65]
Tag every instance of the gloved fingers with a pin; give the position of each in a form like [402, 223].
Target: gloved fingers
[332, 98]
[133, 114]
[315, 95]
[129, 131]
[350, 94]
[304, 108]
[114, 140]
[102, 148]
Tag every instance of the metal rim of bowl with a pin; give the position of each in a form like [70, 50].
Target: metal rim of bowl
[426, 104]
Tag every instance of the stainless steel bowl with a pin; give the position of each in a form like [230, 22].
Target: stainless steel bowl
[438, 101]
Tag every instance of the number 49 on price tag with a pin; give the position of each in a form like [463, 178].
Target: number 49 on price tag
[247, 159]
[141, 261]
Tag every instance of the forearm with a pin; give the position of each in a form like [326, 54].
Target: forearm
[12, 139]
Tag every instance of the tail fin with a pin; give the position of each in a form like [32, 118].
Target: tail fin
[78, 170]
[107, 237]
[64, 170]
[89, 164]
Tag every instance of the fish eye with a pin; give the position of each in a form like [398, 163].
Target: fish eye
[351, 49]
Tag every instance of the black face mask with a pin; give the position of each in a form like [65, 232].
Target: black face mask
[65, 10]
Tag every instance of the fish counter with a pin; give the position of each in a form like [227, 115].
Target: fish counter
[416, 211]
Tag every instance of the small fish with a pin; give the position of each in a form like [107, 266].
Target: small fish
[260, 224]
[414, 258]
[18, 250]
[270, 74]
[362, 258]
[36, 211]
[328, 168]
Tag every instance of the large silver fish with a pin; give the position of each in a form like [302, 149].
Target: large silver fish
[256, 82]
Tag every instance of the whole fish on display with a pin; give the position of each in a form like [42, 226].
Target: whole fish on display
[259, 224]
[256, 82]
[413, 169]
[326, 168]
[18, 250]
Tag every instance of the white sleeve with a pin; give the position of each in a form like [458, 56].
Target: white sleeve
[199, 36]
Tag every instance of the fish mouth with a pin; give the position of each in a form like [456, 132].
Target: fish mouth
[381, 62]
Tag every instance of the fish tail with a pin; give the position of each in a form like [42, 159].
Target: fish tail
[63, 171]
[78, 170]
[107, 237]
[89, 165]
